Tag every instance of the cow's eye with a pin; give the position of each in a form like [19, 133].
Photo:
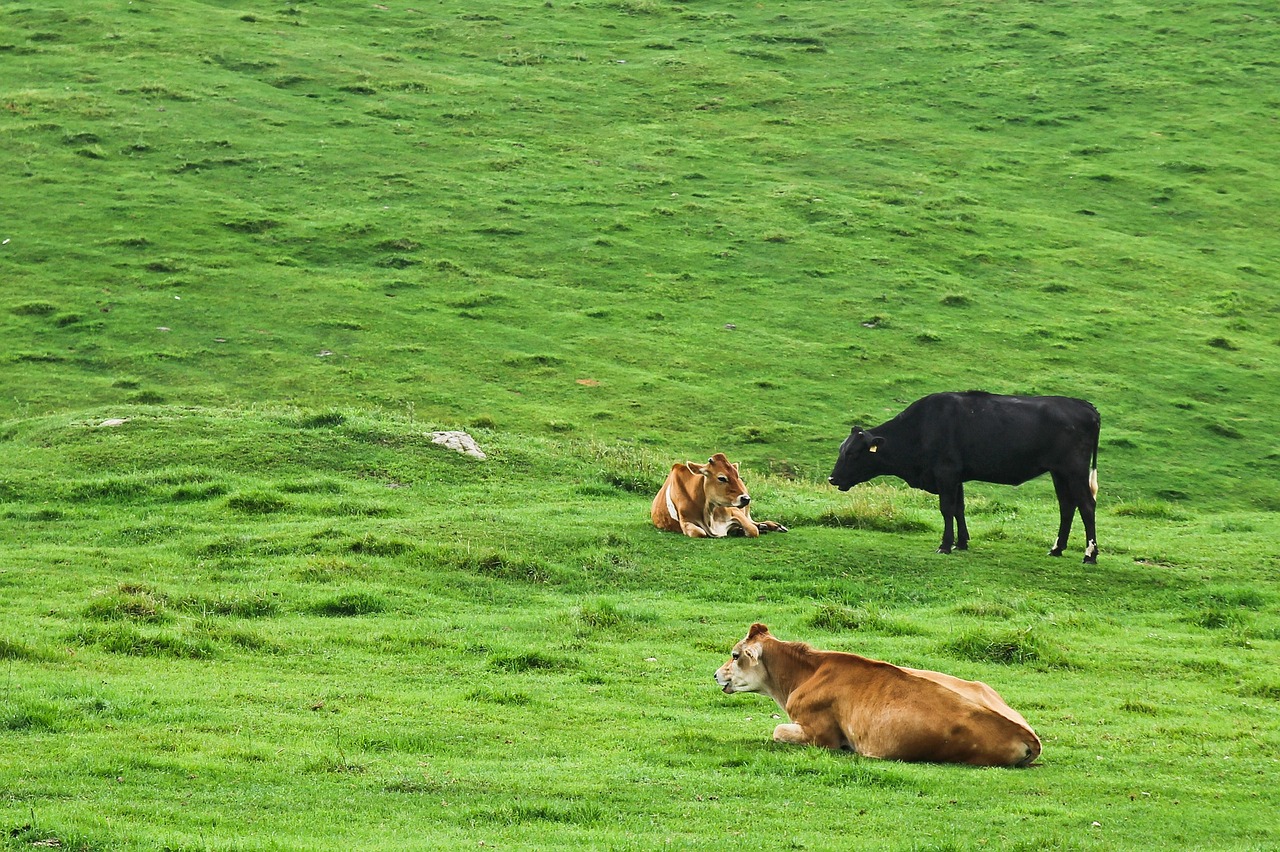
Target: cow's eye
[737, 654]
[723, 478]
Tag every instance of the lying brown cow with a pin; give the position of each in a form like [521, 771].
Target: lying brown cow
[843, 701]
[707, 501]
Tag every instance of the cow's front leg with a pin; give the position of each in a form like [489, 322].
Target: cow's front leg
[692, 530]
[740, 522]
[770, 526]
[947, 506]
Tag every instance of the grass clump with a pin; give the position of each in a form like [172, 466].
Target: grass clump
[257, 502]
[128, 603]
[129, 640]
[323, 420]
[12, 649]
[528, 661]
[349, 604]
[1216, 618]
[1149, 509]
[505, 566]
[505, 698]
[837, 618]
[1009, 647]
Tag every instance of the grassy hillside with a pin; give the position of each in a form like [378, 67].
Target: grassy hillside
[747, 224]
[285, 241]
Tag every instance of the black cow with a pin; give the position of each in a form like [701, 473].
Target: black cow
[944, 440]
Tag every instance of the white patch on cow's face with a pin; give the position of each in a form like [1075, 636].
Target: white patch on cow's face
[743, 671]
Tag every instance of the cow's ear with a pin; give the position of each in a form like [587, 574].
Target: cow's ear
[735, 466]
[876, 444]
[696, 469]
[756, 630]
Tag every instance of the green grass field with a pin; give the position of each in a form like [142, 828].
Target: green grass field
[281, 244]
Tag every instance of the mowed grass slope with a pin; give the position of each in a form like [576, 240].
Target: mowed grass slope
[285, 242]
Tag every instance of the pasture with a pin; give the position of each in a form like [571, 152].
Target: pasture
[252, 255]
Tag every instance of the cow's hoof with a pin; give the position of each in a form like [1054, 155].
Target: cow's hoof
[944, 550]
[964, 545]
[1055, 552]
[1091, 560]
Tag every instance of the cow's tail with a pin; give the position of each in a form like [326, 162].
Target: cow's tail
[1093, 465]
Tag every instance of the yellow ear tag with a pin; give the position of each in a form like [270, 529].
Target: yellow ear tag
[874, 447]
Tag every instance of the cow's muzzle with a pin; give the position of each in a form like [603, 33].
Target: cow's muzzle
[831, 480]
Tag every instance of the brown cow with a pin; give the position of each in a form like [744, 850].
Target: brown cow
[843, 701]
[707, 501]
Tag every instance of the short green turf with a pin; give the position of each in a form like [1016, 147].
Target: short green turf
[278, 245]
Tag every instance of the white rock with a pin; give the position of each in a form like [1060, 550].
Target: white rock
[459, 442]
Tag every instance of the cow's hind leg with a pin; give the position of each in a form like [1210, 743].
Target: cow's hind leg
[962, 529]
[1088, 504]
[791, 733]
[1066, 511]
[824, 734]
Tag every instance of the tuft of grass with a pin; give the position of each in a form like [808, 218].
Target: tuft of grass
[350, 604]
[986, 609]
[1215, 618]
[1156, 510]
[487, 695]
[323, 420]
[238, 604]
[12, 649]
[128, 603]
[257, 502]
[1268, 691]
[129, 640]
[870, 516]
[529, 661]
[584, 814]
[600, 615]
[838, 618]
[26, 717]
[1009, 647]
[504, 566]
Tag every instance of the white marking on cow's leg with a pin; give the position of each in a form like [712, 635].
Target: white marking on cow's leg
[671, 506]
[1091, 552]
[1056, 550]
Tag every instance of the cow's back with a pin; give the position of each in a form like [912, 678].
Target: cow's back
[675, 491]
[1009, 439]
[897, 713]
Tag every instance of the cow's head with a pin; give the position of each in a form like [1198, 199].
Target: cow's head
[858, 461]
[723, 485]
[744, 671]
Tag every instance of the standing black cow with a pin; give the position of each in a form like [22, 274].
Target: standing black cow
[944, 440]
